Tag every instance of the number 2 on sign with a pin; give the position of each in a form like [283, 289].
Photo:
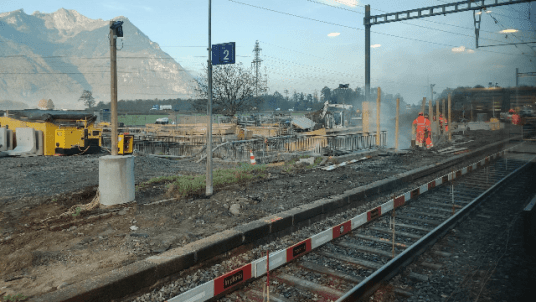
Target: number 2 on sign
[226, 52]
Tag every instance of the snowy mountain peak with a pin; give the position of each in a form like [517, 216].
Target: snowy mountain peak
[56, 46]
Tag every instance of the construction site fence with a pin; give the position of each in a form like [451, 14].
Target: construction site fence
[239, 150]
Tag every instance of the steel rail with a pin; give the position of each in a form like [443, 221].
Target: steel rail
[391, 268]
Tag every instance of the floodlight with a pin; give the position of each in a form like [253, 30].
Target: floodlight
[117, 28]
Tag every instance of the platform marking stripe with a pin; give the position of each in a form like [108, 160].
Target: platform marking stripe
[438, 181]
[388, 206]
[459, 173]
[374, 213]
[276, 260]
[299, 249]
[464, 171]
[399, 201]
[407, 196]
[232, 279]
[321, 238]
[342, 229]
[414, 193]
[359, 220]
[198, 294]
[423, 188]
[469, 169]
[431, 184]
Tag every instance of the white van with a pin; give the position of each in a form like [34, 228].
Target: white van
[291, 109]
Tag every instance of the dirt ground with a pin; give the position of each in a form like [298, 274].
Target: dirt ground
[39, 255]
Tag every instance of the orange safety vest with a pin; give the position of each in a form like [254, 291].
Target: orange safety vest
[421, 123]
[515, 119]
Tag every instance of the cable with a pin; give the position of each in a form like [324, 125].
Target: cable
[380, 33]
[416, 25]
[308, 54]
[498, 24]
[297, 16]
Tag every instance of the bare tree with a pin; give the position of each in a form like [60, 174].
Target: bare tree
[87, 98]
[233, 89]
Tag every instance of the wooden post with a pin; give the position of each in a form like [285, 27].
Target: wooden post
[378, 100]
[472, 111]
[396, 123]
[437, 111]
[449, 121]
[423, 104]
[365, 117]
[444, 111]
[113, 78]
[430, 116]
[393, 215]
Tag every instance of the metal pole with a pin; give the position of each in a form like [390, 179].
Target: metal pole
[365, 117]
[209, 189]
[450, 118]
[378, 101]
[396, 122]
[366, 22]
[113, 79]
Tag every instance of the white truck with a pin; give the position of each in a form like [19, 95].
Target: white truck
[162, 107]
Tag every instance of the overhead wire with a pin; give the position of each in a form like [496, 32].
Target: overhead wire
[355, 28]
[417, 25]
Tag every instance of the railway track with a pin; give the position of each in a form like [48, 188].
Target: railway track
[348, 261]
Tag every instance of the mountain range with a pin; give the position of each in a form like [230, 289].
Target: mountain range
[59, 55]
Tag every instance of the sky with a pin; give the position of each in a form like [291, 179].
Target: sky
[309, 44]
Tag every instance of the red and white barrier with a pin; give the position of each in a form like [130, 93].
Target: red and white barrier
[252, 158]
[257, 268]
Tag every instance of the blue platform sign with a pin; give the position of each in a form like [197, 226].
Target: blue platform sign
[223, 53]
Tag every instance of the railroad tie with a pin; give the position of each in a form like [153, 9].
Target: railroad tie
[364, 249]
[398, 233]
[310, 286]
[360, 262]
[381, 240]
[328, 271]
[431, 265]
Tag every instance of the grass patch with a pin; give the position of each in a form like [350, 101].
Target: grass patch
[15, 298]
[187, 185]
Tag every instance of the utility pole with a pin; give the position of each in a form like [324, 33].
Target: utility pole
[257, 63]
[366, 22]
[209, 188]
[113, 84]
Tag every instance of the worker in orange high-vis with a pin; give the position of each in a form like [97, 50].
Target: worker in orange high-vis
[443, 125]
[428, 132]
[420, 122]
[516, 119]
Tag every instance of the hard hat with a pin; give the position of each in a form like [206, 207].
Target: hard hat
[511, 111]
[420, 113]
[440, 115]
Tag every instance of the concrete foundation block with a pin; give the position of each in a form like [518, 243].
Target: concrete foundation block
[39, 142]
[25, 143]
[3, 139]
[116, 179]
